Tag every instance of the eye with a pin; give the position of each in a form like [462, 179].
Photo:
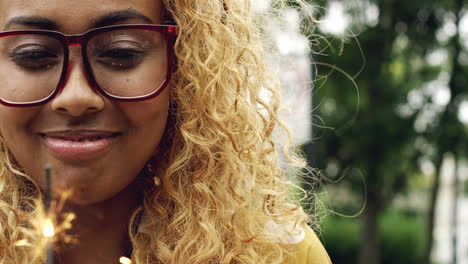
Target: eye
[121, 58]
[34, 57]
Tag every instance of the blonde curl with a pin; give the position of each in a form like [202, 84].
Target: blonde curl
[222, 180]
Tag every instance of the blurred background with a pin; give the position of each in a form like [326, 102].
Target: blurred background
[380, 107]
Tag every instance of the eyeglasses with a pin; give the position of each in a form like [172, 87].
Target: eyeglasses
[123, 62]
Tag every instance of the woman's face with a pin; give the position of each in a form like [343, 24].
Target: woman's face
[96, 146]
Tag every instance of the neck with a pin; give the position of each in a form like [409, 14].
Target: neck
[101, 230]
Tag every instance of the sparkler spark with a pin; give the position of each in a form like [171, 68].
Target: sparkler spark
[21, 243]
[125, 260]
[49, 230]
[50, 223]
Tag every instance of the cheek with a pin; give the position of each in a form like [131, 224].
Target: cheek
[16, 117]
[148, 118]
[19, 137]
[15, 129]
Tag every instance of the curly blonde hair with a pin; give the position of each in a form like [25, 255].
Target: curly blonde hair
[218, 162]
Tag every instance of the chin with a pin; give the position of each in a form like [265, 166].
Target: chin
[87, 193]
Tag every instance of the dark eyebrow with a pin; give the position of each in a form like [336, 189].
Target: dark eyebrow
[118, 17]
[105, 20]
[32, 21]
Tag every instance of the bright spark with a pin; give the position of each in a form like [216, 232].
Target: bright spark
[125, 260]
[49, 230]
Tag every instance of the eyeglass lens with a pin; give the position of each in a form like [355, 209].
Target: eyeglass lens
[129, 62]
[30, 67]
[126, 63]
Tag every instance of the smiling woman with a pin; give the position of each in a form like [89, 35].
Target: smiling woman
[150, 113]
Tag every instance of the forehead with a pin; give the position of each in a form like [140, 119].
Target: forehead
[72, 16]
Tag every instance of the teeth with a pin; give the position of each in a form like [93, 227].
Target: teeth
[83, 139]
[80, 139]
[89, 139]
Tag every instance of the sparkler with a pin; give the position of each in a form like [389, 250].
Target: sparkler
[48, 231]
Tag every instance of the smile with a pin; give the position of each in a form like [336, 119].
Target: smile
[78, 145]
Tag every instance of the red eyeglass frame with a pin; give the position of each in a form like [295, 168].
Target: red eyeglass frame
[170, 32]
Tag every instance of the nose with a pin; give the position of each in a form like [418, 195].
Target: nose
[77, 98]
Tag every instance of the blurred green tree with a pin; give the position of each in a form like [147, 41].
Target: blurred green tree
[447, 134]
[395, 117]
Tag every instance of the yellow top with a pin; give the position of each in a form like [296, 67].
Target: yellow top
[305, 246]
[310, 250]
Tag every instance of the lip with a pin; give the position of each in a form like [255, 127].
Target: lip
[79, 144]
